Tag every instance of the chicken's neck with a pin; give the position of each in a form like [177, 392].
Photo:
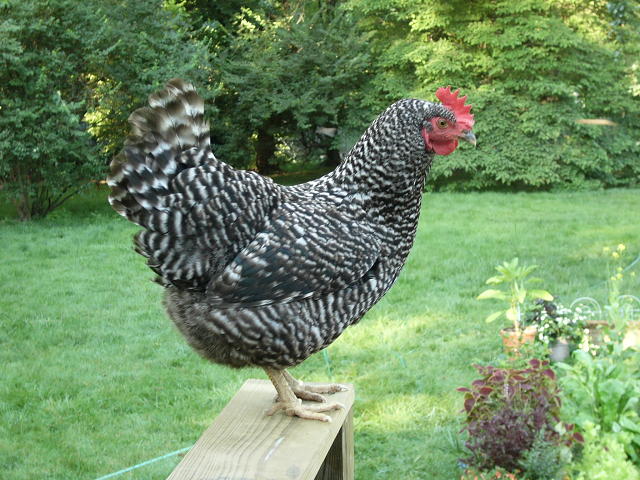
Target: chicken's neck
[389, 183]
[388, 179]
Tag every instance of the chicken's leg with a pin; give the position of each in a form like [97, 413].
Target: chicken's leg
[291, 404]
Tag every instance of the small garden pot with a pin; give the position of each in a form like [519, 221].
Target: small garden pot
[560, 350]
[513, 340]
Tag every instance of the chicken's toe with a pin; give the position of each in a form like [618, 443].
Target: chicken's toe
[324, 387]
[312, 392]
[310, 412]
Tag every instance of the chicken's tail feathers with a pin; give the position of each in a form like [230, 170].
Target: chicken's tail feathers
[167, 137]
[196, 211]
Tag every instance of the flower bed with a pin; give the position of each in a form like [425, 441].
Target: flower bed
[574, 417]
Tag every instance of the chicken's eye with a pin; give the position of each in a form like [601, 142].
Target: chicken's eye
[442, 123]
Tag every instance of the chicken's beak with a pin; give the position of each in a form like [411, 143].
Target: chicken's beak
[468, 136]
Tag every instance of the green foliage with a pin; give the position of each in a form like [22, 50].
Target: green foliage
[604, 457]
[294, 84]
[545, 460]
[45, 150]
[135, 48]
[283, 79]
[513, 276]
[531, 69]
[605, 391]
[70, 74]
[277, 75]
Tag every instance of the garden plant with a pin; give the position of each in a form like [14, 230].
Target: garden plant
[512, 416]
[514, 277]
[592, 406]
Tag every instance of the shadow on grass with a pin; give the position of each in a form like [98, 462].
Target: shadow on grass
[91, 201]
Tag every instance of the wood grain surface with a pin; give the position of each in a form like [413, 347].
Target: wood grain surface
[245, 444]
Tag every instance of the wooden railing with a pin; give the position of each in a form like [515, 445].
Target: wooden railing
[245, 444]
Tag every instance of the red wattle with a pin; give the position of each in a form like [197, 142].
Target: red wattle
[439, 147]
[444, 148]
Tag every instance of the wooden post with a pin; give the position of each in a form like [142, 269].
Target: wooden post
[245, 444]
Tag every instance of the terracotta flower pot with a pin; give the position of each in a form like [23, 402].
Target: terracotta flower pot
[513, 340]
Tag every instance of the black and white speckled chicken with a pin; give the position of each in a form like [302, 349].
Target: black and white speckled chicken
[265, 275]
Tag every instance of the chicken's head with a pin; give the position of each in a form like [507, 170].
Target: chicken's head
[441, 133]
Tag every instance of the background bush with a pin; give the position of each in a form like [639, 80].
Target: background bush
[291, 85]
[70, 75]
[531, 69]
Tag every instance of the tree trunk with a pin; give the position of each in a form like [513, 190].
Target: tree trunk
[332, 157]
[265, 149]
[23, 206]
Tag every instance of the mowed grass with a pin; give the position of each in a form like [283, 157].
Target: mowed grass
[95, 378]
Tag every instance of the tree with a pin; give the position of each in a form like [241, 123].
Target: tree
[70, 74]
[134, 50]
[286, 82]
[532, 69]
[46, 152]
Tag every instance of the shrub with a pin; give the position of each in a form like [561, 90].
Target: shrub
[532, 71]
[285, 81]
[507, 409]
[70, 74]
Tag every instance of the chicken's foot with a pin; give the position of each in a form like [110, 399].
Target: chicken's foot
[311, 392]
[291, 404]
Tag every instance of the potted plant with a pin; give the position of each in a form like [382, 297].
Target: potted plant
[561, 329]
[512, 277]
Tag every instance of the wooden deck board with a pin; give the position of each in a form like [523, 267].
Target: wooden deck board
[245, 444]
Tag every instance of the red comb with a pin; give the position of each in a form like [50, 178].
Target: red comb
[462, 112]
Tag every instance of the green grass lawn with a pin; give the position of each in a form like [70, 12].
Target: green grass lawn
[95, 378]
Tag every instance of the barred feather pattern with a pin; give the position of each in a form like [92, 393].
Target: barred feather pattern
[192, 206]
[256, 273]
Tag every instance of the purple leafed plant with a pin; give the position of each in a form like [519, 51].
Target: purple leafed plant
[507, 408]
